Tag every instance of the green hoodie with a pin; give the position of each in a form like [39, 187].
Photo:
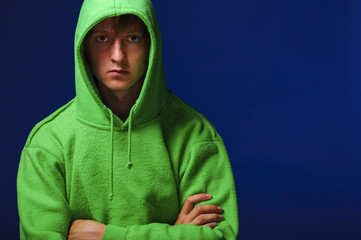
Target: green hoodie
[83, 162]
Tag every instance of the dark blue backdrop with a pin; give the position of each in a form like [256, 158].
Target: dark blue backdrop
[280, 80]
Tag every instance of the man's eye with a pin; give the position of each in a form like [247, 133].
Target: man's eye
[133, 38]
[102, 39]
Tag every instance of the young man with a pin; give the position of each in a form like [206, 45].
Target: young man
[126, 159]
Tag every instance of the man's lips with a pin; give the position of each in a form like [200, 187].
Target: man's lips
[118, 71]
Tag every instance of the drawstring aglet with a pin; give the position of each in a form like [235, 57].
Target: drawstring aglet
[129, 165]
[110, 196]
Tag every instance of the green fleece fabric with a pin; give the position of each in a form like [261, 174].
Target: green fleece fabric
[83, 162]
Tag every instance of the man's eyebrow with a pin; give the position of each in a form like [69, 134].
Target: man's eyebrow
[109, 32]
[101, 31]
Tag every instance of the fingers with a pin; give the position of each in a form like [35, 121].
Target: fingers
[191, 200]
[207, 218]
[211, 225]
[203, 209]
[200, 215]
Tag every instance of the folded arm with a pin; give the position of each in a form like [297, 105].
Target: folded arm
[201, 215]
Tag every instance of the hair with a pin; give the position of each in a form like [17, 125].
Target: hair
[123, 21]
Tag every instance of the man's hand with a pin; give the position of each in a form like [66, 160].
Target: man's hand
[86, 230]
[201, 215]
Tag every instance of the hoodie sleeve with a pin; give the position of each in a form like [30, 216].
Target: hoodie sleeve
[206, 169]
[43, 214]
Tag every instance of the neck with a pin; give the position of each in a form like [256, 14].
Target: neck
[120, 102]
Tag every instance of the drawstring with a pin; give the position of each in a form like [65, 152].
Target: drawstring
[111, 194]
[129, 163]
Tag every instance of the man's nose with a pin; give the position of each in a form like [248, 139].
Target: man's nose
[117, 52]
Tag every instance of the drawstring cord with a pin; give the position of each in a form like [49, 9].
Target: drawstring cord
[111, 194]
[129, 163]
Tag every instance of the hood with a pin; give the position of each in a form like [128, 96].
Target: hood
[154, 93]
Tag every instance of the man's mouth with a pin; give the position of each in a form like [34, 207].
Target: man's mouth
[118, 72]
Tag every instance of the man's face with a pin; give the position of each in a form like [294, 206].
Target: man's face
[118, 58]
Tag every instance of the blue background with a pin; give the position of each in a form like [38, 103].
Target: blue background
[280, 80]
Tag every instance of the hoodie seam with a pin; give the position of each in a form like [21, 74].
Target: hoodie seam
[45, 150]
[46, 121]
[200, 116]
[95, 125]
[114, 7]
[60, 161]
[205, 142]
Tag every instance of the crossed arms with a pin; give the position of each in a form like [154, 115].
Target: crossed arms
[200, 215]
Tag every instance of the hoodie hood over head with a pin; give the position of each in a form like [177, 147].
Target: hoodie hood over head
[154, 93]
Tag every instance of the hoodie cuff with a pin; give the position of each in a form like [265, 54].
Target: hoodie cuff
[114, 233]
